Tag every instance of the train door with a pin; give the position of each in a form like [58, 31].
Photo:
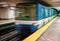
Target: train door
[43, 15]
[52, 13]
[49, 14]
[46, 15]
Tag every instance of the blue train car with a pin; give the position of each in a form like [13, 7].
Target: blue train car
[31, 16]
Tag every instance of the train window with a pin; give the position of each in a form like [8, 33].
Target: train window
[46, 12]
[26, 12]
[42, 13]
[50, 12]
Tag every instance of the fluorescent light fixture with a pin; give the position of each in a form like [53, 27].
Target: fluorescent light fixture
[5, 5]
[12, 8]
[56, 0]
[58, 8]
[3, 2]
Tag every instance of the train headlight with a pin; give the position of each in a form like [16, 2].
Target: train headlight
[34, 24]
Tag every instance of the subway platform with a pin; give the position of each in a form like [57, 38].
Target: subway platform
[51, 34]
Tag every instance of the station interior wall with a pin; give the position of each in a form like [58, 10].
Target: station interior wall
[6, 13]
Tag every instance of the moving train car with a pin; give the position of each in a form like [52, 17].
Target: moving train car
[30, 16]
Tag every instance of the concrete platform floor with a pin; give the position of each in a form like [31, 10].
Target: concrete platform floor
[6, 21]
[52, 33]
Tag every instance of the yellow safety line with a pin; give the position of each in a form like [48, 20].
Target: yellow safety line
[39, 32]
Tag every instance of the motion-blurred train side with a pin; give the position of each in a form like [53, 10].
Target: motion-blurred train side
[31, 16]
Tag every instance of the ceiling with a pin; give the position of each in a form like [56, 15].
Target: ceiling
[54, 3]
[13, 2]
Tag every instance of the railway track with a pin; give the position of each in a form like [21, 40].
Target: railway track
[5, 32]
[15, 39]
[9, 36]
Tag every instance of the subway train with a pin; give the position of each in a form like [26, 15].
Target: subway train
[31, 16]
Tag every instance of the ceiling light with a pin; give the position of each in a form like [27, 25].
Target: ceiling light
[56, 0]
[3, 2]
[5, 5]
